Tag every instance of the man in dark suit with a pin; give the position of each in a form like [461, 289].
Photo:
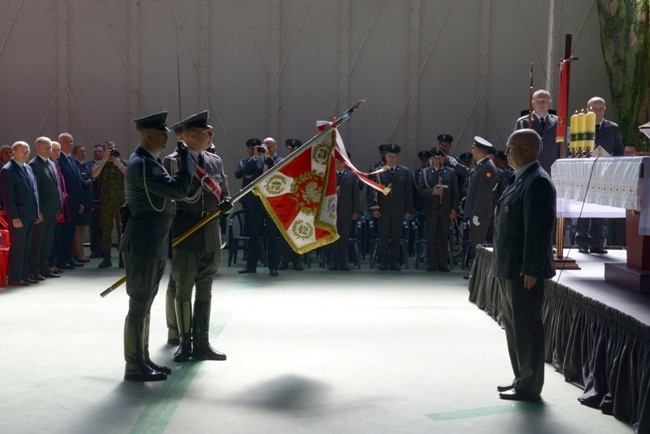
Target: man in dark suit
[393, 209]
[146, 242]
[70, 169]
[47, 183]
[260, 222]
[545, 124]
[522, 261]
[438, 188]
[20, 199]
[589, 232]
[478, 204]
[196, 259]
[347, 213]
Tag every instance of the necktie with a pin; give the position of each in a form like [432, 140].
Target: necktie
[597, 127]
[201, 160]
[542, 122]
[392, 170]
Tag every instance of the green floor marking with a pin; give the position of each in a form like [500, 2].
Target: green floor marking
[158, 412]
[487, 411]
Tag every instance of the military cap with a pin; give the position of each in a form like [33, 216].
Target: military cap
[293, 143]
[155, 121]
[438, 152]
[445, 138]
[176, 128]
[465, 157]
[424, 155]
[501, 155]
[392, 149]
[480, 142]
[199, 120]
[382, 148]
[251, 143]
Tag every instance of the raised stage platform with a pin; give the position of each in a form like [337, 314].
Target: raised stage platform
[597, 333]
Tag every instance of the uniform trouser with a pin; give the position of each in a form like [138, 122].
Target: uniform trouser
[21, 240]
[109, 213]
[437, 235]
[194, 269]
[589, 233]
[256, 220]
[41, 248]
[390, 236]
[339, 248]
[143, 276]
[522, 318]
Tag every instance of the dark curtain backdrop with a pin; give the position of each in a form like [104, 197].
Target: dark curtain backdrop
[625, 41]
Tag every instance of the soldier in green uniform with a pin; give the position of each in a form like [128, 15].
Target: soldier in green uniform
[146, 241]
[196, 259]
[109, 171]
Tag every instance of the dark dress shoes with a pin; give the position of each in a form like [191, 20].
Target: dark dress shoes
[344, 267]
[598, 250]
[297, 266]
[383, 267]
[36, 276]
[583, 250]
[30, 280]
[247, 270]
[515, 395]
[274, 272]
[431, 268]
[64, 265]
[504, 387]
[396, 268]
[164, 369]
[333, 267]
[444, 269]
[283, 266]
[143, 372]
[50, 274]
[17, 283]
[77, 263]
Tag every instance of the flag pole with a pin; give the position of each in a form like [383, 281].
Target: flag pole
[241, 193]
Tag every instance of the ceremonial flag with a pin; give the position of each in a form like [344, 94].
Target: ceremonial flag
[300, 196]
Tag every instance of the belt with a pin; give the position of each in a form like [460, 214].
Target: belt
[150, 214]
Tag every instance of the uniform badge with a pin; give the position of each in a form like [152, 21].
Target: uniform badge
[506, 208]
[488, 174]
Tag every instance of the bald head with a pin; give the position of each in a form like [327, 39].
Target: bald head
[523, 147]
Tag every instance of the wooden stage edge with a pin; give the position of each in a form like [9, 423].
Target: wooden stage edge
[629, 278]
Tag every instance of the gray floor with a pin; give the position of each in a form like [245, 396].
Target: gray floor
[310, 352]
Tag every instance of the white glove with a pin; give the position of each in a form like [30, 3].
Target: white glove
[452, 161]
[475, 221]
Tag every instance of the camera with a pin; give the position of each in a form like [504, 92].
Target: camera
[261, 149]
[114, 153]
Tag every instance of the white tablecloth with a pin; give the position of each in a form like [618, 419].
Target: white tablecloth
[603, 187]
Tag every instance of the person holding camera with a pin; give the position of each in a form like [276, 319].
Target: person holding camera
[109, 172]
[265, 158]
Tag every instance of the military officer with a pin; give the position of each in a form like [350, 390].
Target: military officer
[393, 209]
[347, 213]
[196, 259]
[438, 187]
[482, 180]
[545, 124]
[145, 244]
[424, 158]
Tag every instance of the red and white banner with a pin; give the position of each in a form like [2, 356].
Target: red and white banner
[300, 197]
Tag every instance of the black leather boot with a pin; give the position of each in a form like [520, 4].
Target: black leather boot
[184, 321]
[136, 368]
[201, 333]
[164, 369]
[106, 262]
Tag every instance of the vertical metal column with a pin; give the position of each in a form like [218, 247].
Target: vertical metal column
[134, 67]
[414, 76]
[274, 65]
[344, 57]
[484, 52]
[62, 64]
[204, 55]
